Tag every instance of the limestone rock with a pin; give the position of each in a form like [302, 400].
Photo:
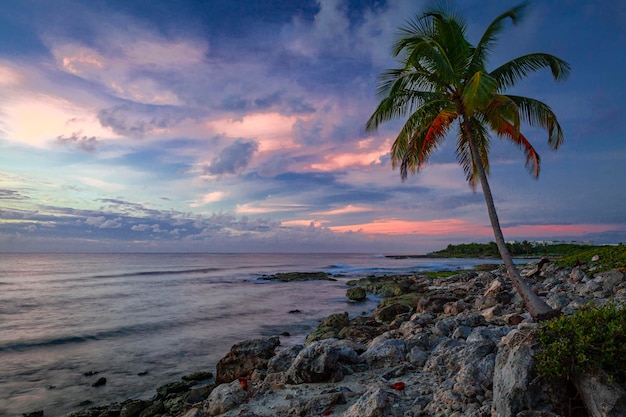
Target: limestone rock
[244, 358]
[387, 353]
[324, 360]
[283, 359]
[224, 397]
[374, 403]
[601, 397]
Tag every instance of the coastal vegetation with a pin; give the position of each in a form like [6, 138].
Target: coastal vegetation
[592, 339]
[598, 258]
[443, 81]
[516, 249]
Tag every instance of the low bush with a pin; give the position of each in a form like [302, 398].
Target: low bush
[590, 340]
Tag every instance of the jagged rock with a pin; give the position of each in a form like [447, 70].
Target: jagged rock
[133, 408]
[200, 394]
[386, 353]
[602, 398]
[374, 403]
[388, 313]
[417, 357]
[283, 359]
[317, 405]
[324, 360]
[224, 397]
[515, 388]
[153, 409]
[194, 412]
[329, 328]
[244, 358]
[356, 294]
[174, 388]
[197, 376]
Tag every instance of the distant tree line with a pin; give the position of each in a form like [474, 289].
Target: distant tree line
[517, 249]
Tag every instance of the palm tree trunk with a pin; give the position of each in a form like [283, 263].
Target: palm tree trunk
[537, 308]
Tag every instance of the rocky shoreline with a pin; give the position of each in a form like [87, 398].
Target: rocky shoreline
[453, 346]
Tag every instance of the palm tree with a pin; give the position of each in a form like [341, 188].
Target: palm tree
[442, 82]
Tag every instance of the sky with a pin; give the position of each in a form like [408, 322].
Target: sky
[239, 126]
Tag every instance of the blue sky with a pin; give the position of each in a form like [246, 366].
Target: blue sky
[225, 126]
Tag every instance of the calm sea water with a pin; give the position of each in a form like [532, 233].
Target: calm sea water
[143, 320]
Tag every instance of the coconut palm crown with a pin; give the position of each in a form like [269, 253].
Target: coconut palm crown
[442, 82]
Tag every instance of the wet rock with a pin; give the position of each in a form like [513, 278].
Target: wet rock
[133, 408]
[298, 276]
[356, 294]
[197, 376]
[329, 328]
[388, 313]
[100, 382]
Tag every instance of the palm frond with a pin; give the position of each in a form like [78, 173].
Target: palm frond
[420, 136]
[502, 109]
[537, 113]
[398, 105]
[513, 71]
[508, 131]
[478, 91]
[489, 37]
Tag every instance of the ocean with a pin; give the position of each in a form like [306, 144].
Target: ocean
[144, 320]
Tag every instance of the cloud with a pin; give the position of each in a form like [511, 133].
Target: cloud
[233, 158]
[209, 198]
[131, 66]
[80, 142]
[141, 120]
[11, 195]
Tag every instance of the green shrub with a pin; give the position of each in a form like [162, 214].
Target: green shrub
[610, 257]
[592, 339]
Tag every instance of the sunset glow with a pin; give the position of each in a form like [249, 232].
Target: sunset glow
[243, 126]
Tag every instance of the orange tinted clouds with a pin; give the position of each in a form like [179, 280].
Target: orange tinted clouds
[406, 227]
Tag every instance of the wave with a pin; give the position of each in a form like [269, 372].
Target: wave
[159, 272]
[119, 332]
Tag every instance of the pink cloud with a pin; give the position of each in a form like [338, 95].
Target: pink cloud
[272, 130]
[407, 227]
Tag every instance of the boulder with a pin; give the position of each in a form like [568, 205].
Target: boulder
[388, 313]
[133, 408]
[322, 361]
[602, 397]
[515, 388]
[244, 358]
[329, 328]
[223, 398]
[319, 405]
[386, 353]
[283, 359]
[374, 403]
[356, 294]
